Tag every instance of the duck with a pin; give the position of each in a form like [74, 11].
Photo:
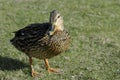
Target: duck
[43, 40]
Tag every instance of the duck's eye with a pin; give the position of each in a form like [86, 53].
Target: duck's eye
[58, 16]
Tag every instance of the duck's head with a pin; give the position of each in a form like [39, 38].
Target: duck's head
[57, 22]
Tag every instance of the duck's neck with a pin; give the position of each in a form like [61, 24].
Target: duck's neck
[58, 28]
[55, 28]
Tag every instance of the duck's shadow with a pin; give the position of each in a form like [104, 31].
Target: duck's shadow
[10, 64]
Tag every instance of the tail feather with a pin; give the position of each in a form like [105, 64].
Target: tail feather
[11, 41]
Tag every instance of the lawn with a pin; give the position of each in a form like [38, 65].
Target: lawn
[94, 26]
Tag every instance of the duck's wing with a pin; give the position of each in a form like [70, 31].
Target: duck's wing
[29, 35]
[33, 30]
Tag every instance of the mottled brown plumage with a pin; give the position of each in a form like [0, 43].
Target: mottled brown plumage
[43, 41]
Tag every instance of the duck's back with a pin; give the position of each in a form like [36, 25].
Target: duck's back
[35, 42]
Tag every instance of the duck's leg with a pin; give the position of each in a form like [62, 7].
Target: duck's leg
[33, 73]
[49, 68]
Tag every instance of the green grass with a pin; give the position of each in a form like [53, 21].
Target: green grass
[94, 25]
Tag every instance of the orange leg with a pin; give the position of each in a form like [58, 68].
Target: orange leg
[33, 73]
[49, 68]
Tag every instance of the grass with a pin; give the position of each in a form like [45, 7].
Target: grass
[94, 25]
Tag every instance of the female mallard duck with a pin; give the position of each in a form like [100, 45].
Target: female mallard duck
[43, 41]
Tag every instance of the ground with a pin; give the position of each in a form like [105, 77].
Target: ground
[94, 25]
